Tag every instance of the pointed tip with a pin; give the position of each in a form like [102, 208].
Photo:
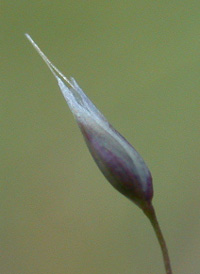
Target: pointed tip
[51, 66]
[29, 38]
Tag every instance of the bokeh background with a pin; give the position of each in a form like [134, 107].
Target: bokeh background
[139, 62]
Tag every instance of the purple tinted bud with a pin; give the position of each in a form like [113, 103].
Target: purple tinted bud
[120, 163]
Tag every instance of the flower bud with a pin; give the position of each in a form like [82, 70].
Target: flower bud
[120, 163]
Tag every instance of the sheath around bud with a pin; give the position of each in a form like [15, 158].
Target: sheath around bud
[120, 163]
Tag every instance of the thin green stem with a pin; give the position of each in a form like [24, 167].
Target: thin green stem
[150, 213]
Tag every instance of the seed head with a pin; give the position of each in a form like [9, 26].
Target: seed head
[120, 163]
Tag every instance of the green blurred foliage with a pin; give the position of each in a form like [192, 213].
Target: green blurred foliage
[139, 63]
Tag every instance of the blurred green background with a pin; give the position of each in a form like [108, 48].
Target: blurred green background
[139, 62]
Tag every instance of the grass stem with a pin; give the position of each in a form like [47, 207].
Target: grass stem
[150, 213]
